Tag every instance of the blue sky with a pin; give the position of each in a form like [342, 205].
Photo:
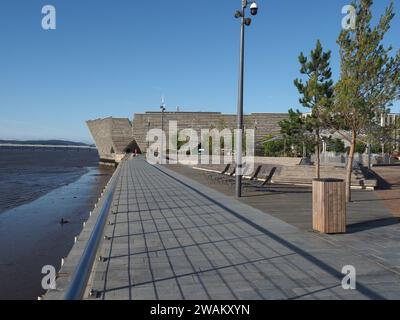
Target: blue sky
[115, 58]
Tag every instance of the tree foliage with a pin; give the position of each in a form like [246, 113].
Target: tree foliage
[273, 147]
[316, 92]
[336, 145]
[298, 132]
[370, 77]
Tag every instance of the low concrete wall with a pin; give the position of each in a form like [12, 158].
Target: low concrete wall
[283, 161]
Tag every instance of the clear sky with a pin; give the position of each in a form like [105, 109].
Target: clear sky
[117, 57]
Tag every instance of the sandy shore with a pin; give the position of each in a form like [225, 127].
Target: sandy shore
[28, 174]
[31, 235]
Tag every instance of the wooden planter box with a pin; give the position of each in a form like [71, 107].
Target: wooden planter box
[329, 206]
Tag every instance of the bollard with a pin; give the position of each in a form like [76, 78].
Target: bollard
[329, 206]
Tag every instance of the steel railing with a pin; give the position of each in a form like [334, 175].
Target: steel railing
[78, 284]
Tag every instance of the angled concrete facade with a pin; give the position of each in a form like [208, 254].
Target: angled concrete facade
[262, 123]
[112, 136]
[121, 135]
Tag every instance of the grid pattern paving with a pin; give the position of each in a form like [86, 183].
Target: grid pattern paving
[171, 238]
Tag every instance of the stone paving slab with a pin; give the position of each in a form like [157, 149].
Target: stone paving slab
[372, 230]
[173, 238]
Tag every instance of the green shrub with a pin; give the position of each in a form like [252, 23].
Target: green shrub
[336, 145]
[273, 148]
[361, 147]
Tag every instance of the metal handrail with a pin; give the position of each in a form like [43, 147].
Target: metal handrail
[77, 287]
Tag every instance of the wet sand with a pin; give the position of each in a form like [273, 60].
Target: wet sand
[28, 174]
[31, 235]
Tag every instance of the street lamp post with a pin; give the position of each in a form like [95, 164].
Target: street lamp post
[148, 130]
[239, 137]
[162, 108]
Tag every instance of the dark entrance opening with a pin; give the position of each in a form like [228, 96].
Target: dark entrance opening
[132, 147]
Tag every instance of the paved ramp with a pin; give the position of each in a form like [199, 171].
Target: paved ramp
[172, 238]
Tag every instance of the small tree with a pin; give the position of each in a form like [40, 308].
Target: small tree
[370, 78]
[380, 136]
[273, 147]
[317, 92]
[396, 133]
[298, 130]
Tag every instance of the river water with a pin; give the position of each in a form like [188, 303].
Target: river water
[38, 188]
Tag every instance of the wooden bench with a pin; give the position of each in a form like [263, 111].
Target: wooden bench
[212, 175]
[267, 180]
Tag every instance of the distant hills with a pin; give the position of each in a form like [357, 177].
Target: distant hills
[45, 142]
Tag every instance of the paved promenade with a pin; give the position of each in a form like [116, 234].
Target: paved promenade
[373, 231]
[173, 238]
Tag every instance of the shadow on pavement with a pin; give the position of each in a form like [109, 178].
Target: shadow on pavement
[373, 224]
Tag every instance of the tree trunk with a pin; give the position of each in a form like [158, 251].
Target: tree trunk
[318, 154]
[349, 170]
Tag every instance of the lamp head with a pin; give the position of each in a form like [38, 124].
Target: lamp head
[238, 14]
[254, 9]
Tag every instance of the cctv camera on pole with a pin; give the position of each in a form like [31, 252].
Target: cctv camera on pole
[239, 138]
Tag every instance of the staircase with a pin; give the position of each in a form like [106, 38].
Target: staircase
[304, 175]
